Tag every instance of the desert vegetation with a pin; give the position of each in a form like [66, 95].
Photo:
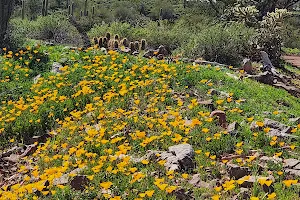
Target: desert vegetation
[149, 99]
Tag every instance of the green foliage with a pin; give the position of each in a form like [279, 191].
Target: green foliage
[222, 43]
[54, 28]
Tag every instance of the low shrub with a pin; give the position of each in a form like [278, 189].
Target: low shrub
[221, 43]
[54, 28]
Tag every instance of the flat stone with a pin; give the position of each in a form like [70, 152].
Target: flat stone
[290, 163]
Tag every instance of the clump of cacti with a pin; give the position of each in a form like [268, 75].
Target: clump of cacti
[116, 37]
[143, 44]
[136, 46]
[95, 40]
[100, 42]
[124, 42]
[108, 36]
[116, 44]
[105, 42]
[131, 46]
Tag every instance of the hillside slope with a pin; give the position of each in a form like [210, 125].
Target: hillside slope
[118, 127]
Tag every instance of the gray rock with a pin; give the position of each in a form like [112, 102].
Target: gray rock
[275, 124]
[295, 120]
[185, 155]
[290, 163]
[197, 182]
[232, 128]
[56, 68]
[293, 172]
[35, 79]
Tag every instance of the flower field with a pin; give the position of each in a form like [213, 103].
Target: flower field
[106, 112]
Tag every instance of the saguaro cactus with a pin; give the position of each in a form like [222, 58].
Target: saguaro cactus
[23, 9]
[45, 8]
[6, 8]
[85, 8]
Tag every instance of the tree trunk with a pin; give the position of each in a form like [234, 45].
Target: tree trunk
[6, 8]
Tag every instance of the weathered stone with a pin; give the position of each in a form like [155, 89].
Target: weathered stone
[35, 79]
[208, 103]
[149, 54]
[56, 68]
[275, 124]
[221, 116]
[293, 172]
[266, 159]
[79, 182]
[237, 172]
[295, 120]
[232, 128]
[197, 182]
[185, 155]
[290, 163]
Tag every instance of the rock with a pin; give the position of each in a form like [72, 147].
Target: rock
[208, 103]
[149, 54]
[196, 182]
[79, 182]
[290, 163]
[126, 50]
[135, 53]
[13, 158]
[247, 66]
[237, 172]
[49, 43]
[222, 117]
[56, 68]
[266, 159]
[295, 120]
[63, 180]
[162, 50]
[160, 57]
[232, 128]
[275, 124]
[103, 50]
[267, 64]
[232, 76]
[35, 79]
[292, 172]
[266, 77]
[289, 88]
[281, 134]
[185, 155]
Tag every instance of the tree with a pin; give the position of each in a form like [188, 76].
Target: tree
[6, 9]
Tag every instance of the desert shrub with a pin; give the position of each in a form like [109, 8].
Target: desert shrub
[57, 29]
[224, 43]
[18, 31]
[291, 37]
[54, 28]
